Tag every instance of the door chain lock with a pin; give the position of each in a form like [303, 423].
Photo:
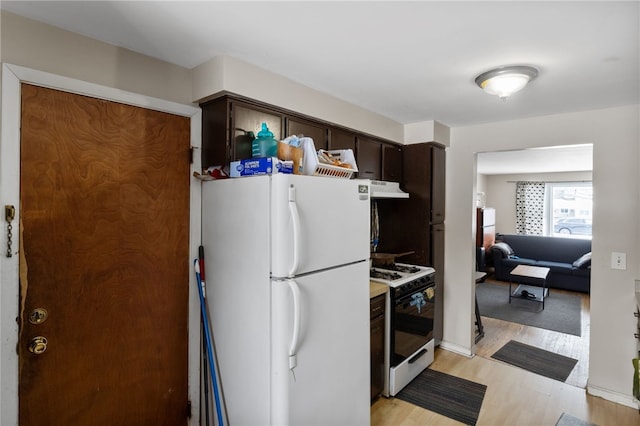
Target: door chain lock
[9, 215]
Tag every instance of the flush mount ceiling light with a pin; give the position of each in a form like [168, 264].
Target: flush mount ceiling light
[505, 81]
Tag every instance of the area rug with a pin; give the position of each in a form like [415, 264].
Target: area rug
[561, 310]
[453, 397]
[568, 420]
[536, 360]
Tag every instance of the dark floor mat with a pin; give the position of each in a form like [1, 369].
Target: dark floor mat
[536, 360]
[451, 396]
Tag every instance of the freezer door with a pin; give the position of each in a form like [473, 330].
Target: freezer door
[330, 384]
[318, 223]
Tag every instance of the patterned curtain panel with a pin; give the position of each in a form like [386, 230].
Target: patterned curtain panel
[529, 207]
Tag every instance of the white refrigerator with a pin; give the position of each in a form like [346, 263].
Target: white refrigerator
[287, 277]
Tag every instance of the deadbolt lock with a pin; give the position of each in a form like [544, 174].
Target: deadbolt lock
[9, 213]
[38, 345]
[38, 316]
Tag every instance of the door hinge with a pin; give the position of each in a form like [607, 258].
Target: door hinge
[188, 409]
[191, 155]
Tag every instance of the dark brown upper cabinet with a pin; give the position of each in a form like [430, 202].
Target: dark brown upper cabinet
[391, 162]
[231, 122]
[342, 139]
[315, 131]
[246, 122]
[229, 126]
[378, 159]
[369, 158]
[216, 143]
[438, 189]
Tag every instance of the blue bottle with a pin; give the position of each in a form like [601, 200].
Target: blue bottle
[265, 145]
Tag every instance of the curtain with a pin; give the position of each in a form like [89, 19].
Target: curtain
[529, 207]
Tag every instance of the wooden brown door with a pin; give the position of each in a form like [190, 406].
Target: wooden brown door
[104, 254]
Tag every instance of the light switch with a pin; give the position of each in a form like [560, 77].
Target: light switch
[618, 260]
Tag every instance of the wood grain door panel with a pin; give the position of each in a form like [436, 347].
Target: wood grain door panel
[105, 219]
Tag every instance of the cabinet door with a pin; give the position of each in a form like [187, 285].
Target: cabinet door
[216, 144]
[391, 162]
[246, 122]
[342, 139]
[437, 261]
[437, 183]
[315, 131]
[369, 158]
[377, 355]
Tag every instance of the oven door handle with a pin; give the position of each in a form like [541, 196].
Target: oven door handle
[297, 315]
[409, 297]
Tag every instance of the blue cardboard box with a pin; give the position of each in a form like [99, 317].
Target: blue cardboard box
[259, 166]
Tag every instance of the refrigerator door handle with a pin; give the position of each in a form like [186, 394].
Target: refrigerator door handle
[295, 338]
[295, 219]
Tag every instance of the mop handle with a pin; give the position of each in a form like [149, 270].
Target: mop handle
[207, 333]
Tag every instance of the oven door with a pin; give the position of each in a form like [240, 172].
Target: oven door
[412, 322]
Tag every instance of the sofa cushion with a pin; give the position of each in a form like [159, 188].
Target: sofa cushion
[554, 249]
[505, 248]
[581, 272]
[557, 267]
[511, 262]
[583, 261]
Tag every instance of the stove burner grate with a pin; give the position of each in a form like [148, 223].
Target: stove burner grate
[407, 269]
[384, 275]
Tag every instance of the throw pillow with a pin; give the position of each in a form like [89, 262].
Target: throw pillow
[505, 248]
[584, 261]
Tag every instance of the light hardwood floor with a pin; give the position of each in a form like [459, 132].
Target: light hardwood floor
[497, 333]
[515, 396]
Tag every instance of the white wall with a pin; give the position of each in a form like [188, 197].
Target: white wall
[225, 73]
[615, 134]
[43, 47]
[500, 191]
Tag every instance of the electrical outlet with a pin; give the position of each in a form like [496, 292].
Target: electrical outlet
[618, 260]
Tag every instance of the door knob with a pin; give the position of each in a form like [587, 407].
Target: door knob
[38, 345]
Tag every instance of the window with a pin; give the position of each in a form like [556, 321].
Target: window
[569, 209]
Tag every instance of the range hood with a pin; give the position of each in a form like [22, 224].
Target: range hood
[383, 189]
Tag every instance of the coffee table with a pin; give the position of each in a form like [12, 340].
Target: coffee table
[535, 272]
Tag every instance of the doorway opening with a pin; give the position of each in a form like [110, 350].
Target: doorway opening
[497, 176]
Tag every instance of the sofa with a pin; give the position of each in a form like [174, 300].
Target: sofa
[569, 260]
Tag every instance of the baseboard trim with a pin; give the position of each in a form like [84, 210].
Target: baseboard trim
[460, 350]
[618, 398]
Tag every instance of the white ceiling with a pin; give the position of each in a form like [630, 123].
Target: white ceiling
[574, 158]
[409, 61]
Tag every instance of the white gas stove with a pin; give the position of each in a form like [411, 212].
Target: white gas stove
[409, 344]
[398, 274]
